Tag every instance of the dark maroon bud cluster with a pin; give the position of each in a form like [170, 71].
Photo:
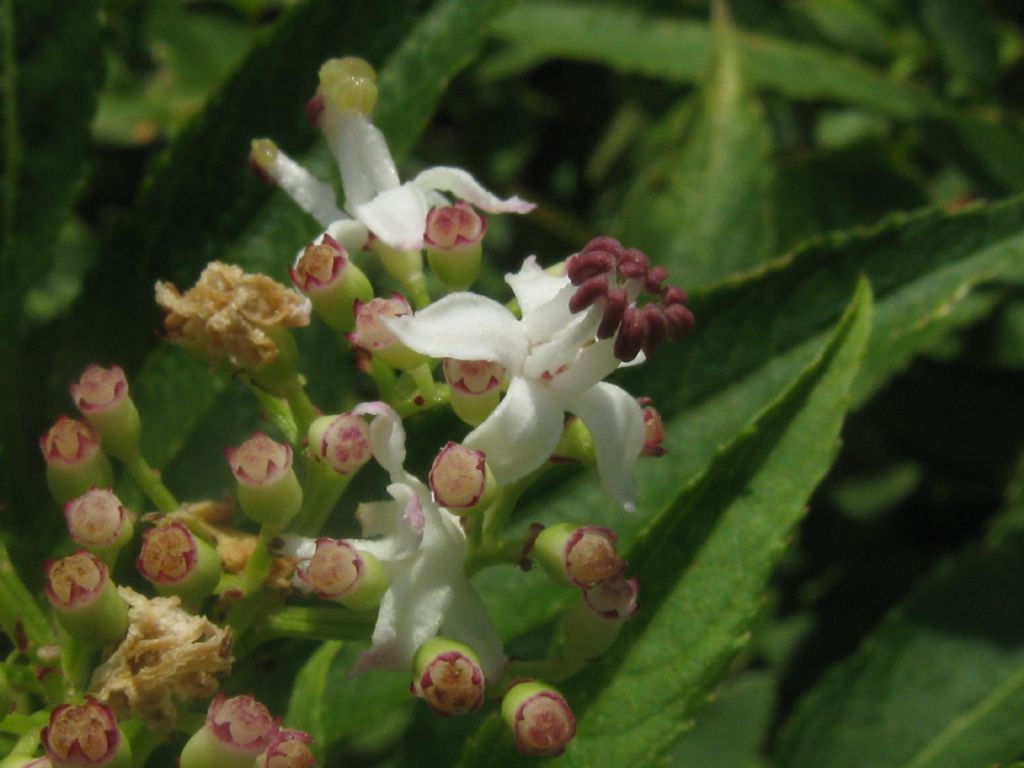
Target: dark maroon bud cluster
[602, 271]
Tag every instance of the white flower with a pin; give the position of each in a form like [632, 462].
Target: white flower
[422, 547]
[555, 365]
[375, 199]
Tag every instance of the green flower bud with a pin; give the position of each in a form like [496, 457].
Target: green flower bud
[98, 521]
[475, 387]
[540, 718]
[338, 571]
[373, 336]
[237, 731]
[74, 461]
[86, 600]
[85, 735]
[461, 480]
[453, 240]
[326, 275]
[447, 675]
[342, 442]
[578, 555]
[102, 397]
[268, 490]
[176, 562]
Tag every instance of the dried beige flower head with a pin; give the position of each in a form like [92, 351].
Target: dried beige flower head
[168, 655]
[230, 314]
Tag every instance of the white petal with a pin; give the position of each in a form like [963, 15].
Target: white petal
[464, 326]
[533, 286]
[349, 233]
[362, 154]
[387, 438]
[521, 433]
[309, 193]
[563, 347]
[551, 317]
[593, 363]
[399, 523]
[397, 216]
[419, 597]
[465, 187]
[616, 424]
[468, 622]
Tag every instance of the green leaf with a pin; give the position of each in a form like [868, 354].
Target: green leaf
[21, 618]
[330, 706]
[630, 41]
[962, 34]
[939, 683]
[705, 203]
[753, 336]
[704, 561]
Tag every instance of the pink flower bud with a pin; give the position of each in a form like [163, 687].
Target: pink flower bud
[372, 335]
[75, 581]
[319, 266]
[581, 556]
[454, 226]
[69, 443]
[540, 718]
[96, 519]
[241, 723]
[99, 389]
[174, 561]
[459, 478]
[260, 461]
[342, 442]
[335, 569]
[615, 598]
[448, 677]
[473, 377]
[83, 735]
[654, 431]
[289, 749]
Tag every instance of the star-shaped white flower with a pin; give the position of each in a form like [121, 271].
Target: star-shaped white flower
[556, 365]
[422, 547]
[376, 201]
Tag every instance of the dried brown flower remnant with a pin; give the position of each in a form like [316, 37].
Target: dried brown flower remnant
[229, 314]
[168, 655]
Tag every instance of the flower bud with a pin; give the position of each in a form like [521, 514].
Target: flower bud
[348, 85]
[475, 387]
[654, 430]
[447, 675]
[178, 563]
[576, 444]
[540, 718]
[289, 749]
[581, 556]
[102, 397]
[86, 600]
[326, 275]
[268, 490]
[372, 335]
[453, 239]
[85, 735]
[461, 479]
[614, 598]
[98, 521]
[74, 461]
[338, 571]
[237, 731]
[586, 635]
[342, 442]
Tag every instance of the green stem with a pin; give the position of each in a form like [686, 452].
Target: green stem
[17, 724]
[21, 618]
[243, 613]
[321, 623]
[75, 661]
[384, 377]
[27, 744]
[150, 483]
[276, 410]
[303, 410]
[143, 740]
[415, 286]
[497, 553]
[324, 487]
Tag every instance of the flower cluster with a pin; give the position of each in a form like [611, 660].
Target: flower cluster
[527, 377]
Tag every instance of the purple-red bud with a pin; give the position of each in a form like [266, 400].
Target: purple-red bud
[84, 735]
[615, 598]
[289, 749]
[540, 718]
[342, 442]
[448, 676]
